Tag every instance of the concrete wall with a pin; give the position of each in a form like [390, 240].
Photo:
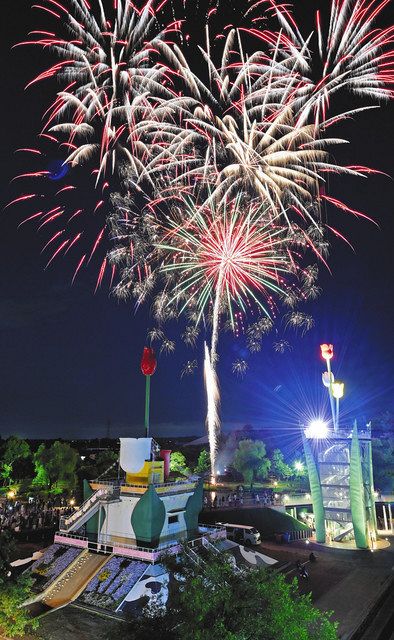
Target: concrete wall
[116, 516]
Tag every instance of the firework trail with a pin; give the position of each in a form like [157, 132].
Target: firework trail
[213, 399]
[108, 73]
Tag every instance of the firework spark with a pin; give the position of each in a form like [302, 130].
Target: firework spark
[240, 367]
[281, 346]
[226, 259]
[189, 368]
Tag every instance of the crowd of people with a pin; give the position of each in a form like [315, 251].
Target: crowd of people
[17, 516]
[239, 498]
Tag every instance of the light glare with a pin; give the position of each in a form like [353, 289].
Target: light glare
[317, 429]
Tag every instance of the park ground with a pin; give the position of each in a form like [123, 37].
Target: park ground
[349, 583]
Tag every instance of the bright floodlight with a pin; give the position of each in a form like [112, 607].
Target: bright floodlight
[317, 429]
[298, 466]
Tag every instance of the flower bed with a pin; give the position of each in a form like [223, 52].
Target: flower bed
[111, 585]
[55, 560]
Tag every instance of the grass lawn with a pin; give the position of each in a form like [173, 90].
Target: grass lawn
[267, 521]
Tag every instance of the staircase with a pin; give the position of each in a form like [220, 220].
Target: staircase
[89, 508]
[344, 533]
[193, 556]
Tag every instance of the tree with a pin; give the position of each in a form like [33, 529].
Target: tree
[279, 465]
[103, 461]
[41, 478]
[178, 463]
[382, 458]
[203, 462]
[250, 460]
[383, 451]
[383, 424]
[211, 601]
[56, 467]
[14, 590]
[15, 620]
[15, 449]
[7, 550]
[5, 472]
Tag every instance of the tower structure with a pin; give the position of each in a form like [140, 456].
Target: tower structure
[339, 461]
[341, 482]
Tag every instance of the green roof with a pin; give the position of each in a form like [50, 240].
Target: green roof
[267, 521]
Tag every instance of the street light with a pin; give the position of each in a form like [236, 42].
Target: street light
[298, 465]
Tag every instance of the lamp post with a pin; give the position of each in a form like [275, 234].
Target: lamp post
[148, 367]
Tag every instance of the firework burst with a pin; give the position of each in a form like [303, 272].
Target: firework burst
[221, 260]
[114, 92]
[240, 367]
[218, 262]
[354, 55]
[225, 183]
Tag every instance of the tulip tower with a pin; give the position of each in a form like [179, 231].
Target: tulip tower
[339, 460]
[148, 367]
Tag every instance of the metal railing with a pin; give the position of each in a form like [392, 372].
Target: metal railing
[96, 497]
[303, 534]
[170, 487]
[106, 541]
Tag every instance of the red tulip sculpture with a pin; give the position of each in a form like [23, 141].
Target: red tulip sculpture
[148, 367]
[327, 353]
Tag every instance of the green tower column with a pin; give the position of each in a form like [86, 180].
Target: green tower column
[371, 486]
[357, 499]
[316, 492]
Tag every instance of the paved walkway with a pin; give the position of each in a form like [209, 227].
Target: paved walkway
[347, 582]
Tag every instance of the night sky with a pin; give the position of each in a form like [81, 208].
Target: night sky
[69, 360]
